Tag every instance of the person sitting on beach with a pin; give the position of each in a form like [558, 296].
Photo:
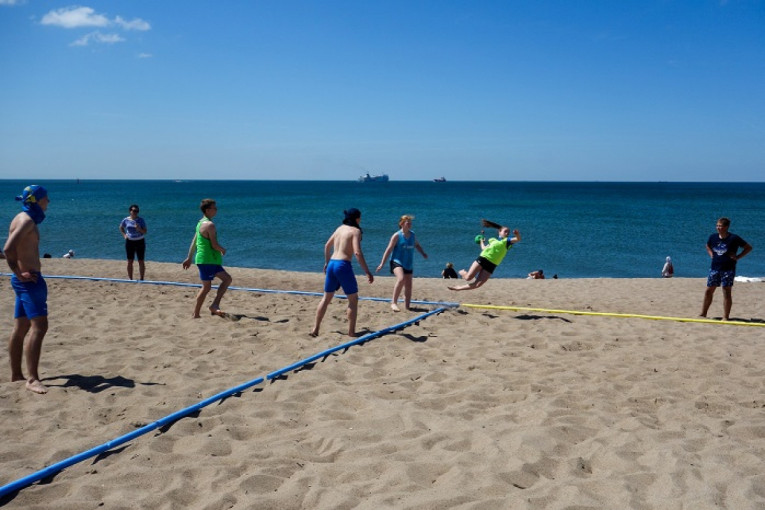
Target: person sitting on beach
[449, 271]
[492, 254]
[536, 275]
[208, 256]
[343, 244]
[31, 315]
[668, 270]
[68, 255]
[402, 244]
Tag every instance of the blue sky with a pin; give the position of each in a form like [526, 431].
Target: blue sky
[489, 90]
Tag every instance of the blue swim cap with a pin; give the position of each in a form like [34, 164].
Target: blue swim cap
[30, 199]
[32, 194]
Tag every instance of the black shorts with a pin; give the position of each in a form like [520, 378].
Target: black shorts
[486, 265]
[394, 265]
[135, 248]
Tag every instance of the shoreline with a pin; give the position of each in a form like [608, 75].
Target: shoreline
[167, 266]
[471, 407]
[586, 294]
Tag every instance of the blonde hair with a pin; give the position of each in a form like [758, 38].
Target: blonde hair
[403, 218]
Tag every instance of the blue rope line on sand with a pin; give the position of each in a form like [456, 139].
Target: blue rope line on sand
[246, 289]
[109, 445]
[357, 341]
[51, 470]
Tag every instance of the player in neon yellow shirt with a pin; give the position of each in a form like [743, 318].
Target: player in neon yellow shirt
[492, 254]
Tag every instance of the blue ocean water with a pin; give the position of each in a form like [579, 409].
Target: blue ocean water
[573, 229]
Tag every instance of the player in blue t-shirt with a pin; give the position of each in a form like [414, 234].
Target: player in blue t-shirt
[723, 249]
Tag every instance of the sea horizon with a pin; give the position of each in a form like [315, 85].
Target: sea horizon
[575, 229]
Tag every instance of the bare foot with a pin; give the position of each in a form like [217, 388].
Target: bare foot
[196, 316]
[19, 377]
[393, 307]
[36, 386]
[217, 311]
[313, 334]
[463, 274]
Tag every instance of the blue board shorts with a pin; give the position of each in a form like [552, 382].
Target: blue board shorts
[207, 272]
[717, 278]
[31, 298]
[340, 274]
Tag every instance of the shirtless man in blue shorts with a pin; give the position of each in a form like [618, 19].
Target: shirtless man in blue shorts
[31, 314]
[343, 244]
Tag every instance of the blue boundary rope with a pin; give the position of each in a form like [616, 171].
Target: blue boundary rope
[53, 469]
[245, 289]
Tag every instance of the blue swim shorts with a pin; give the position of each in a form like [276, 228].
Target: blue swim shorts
[717, 278]
[207, 272]
[31, 298]
[340, 274]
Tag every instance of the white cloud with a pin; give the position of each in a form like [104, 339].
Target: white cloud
[97, 37]
[75, 17]
[82, 17]
[136, 24]
[145, 55]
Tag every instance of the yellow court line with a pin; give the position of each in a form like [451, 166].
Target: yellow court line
[607, 314]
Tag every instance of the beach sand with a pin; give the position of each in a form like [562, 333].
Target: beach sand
[472, 408]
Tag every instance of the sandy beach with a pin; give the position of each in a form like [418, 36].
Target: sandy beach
[472, 408]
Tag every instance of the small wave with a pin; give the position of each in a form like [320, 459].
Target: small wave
[748, 279]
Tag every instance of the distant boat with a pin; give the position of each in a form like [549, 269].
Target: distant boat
[439, 179]
[373, 178]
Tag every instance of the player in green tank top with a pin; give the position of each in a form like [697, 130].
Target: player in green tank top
[207, 254]
[492, 254]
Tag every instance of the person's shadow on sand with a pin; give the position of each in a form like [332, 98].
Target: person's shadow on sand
[93, 383]
[750, 321]
[530, 317]
[236, 317]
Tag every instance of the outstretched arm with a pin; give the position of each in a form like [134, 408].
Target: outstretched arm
[388, 250]
[328, 250]
[192, 250]
[419, 249]
[360, 256]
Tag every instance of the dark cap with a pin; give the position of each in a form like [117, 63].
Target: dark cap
[351, 217]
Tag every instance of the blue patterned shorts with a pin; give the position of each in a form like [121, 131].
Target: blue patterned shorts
[724, 278]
